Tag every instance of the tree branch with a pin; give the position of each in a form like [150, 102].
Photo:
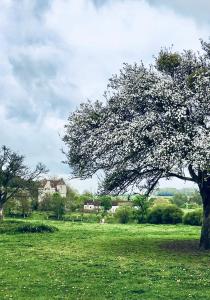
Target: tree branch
[180, 177]
[192, 173]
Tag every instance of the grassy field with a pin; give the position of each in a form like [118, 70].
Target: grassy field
[95, 261]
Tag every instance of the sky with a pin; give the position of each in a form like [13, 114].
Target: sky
[56, 54]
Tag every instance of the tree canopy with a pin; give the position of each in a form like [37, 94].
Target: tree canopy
[15, 176]
[153, 123]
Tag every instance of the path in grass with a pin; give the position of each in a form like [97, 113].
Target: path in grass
[93, 261]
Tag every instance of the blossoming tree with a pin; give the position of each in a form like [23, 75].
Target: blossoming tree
[154, 123]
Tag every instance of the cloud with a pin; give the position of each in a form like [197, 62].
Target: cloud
[197, 10]
[57, 53]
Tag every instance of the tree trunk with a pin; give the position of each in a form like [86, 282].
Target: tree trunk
[205, 231]
[1, 212]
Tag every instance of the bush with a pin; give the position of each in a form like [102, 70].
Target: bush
[124, 214]
[110, 219]
[165, 214]
[180, 199]
[40, 215]
[35, 228]
[82, 217]
[193, 217]
[141, 205]
[160, 201]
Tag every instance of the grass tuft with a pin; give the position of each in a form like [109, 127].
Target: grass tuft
[36, 228]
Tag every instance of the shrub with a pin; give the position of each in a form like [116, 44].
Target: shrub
[124, 214]
[110, 219]
[180, 199]
[40, 215]
[9, 226]
[193, 217]
[35, 228]
[141, 205]
[58, 205]
[165, 214]
[155, 215]
[82, 217]
[172, 215]
[160, 201]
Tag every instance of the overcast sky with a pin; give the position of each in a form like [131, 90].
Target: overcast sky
[56, 54]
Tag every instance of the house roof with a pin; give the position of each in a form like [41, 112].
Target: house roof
[92, 202]
[53, 182]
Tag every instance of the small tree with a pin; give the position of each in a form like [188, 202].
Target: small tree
[124, 214]
[180, 199]
[15, 176]
[141, 203]
[105, 202]
[196, 198]
[58, 205]
[46, 203]
[72, 199]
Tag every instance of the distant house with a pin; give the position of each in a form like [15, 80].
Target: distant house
[51, 186]
[115, 205]
[92, 205]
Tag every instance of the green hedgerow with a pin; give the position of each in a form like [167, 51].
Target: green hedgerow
[124, 214]
[194, 217]
[165, 214]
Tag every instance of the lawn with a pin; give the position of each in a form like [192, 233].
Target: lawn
[104, 261]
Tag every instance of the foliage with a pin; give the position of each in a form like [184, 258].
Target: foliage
[193, 217]
[25, 206]
[168, 62]
[165, 214]
[141, 203]
[152, 120]
[85, 196]
[105, 202]
[161, 201]
[58, 205]
[180, 200]
[72, 199]
[20, 206]
[11, 208]
[195, 198]
[46, 203]
[54, 203]
[15, 176]
[110, 219]
[40, 215]
[82, 217]
[81, 199]
[124, 214]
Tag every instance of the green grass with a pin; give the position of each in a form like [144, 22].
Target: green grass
[95, 261]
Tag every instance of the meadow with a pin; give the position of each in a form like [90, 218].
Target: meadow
[103, 261]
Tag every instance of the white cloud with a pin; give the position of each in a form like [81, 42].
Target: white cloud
[57, 54]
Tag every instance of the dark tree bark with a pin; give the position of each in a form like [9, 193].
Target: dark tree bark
[205, 231]
[3, 196]
[1, 212]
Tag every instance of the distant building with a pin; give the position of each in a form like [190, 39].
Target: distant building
[91, 205]
[51, 186]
